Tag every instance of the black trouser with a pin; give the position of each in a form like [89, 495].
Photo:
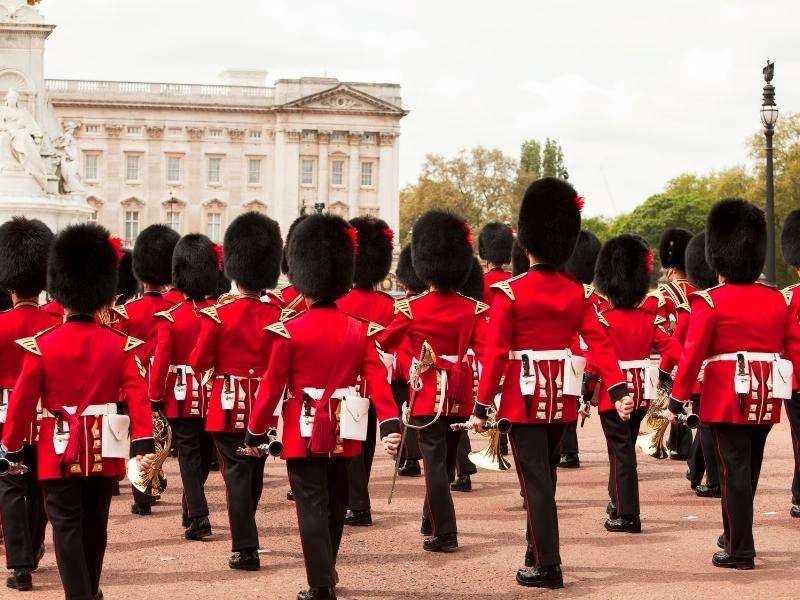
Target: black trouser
[319, 486]
[537, 450]
[464, 466]
[410, 450]
[194, 448]
[22, 513]
[78, 511]
[361, 467]
[244, 482]
[438, 445]
[702, 458]
[793, 412]
[569, 441]
[740, 451]
[623, 478]
[680, 439]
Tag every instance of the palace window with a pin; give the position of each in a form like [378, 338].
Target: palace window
[254, 171]
[132, 167]
[255, 134]
[90, 167]
[339, 136]
[93, 217]
[214, 167]
[366, 174]
[337, 172]
[92, 128]
[175, 131]
[174, 220]
[134, 130]
[309, 135]
[214, 226]
[131, 226]
[307, 172]
[369, 137]
[174, 169]
[215, 133]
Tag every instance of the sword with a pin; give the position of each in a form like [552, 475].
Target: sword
[426, 359]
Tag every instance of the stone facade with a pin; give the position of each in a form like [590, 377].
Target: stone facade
[195, 156]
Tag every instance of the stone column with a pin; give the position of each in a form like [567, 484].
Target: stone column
[387, 192]
[354, 174]
[278, 201]
[323, 176]
[291, 172]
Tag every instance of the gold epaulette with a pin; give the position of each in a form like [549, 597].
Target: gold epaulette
[602, 319]
[658, 296]
[29, 343]
[131, 343]
[121, 311]
[659, 320]
[278, 293]
[403, 306]
[166, 314]
[588, 290]
[226, 298]
[211, 311]
[505, 287]
[705, 296]
[286, 313]
[481, 307]
[373, 328]
[279, 328]
[140, 366]
[788, 292]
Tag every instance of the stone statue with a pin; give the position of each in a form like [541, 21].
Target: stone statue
[68, 172]
[20, 140]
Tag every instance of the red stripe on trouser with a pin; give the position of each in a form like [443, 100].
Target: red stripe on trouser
[528, 507]
[227, 495]
[613, 468]
[431, 518]
[724, 500]
[297, 514]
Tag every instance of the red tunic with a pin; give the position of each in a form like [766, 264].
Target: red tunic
[178, 330]
[441, 319]
[731, 318]
[676, 295]
[233, 343]
[65, 365]
[368, 305]
[54, 308]
[304, 352]
[792, 297]
[491, 277]
[633, 333]
[137, 318]
[542, 310]
[173, 296]
[24, 320]
[290, 300]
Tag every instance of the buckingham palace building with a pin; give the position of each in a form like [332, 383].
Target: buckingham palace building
[194, 156]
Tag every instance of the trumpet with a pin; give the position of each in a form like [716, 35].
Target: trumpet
[690, 421]
[490, 458]
[273, 446]
[9, 468]
[153, 481]
[502, 426]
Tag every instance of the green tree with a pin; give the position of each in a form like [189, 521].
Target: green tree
[530, 160]
[553, 160]
[600, 226]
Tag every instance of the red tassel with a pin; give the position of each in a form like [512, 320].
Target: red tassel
[116, 243]
[323, 434]
[72, 453]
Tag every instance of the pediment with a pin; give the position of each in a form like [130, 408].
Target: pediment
[343, 98]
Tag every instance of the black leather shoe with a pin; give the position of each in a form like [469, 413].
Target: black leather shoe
[675, 455]
[328, 593]
[358, 518]
[611, 510]
[569, 461]
[198, 529]
[541, 577]
[141, 509]
[38, 558]
[185, 520]
[794, 511]
[426, 528]
[99, 595]
[447, 542]
[708, 491]
[624, 525]
[20, 579]
[529, 556]
[726, 561]
[722, 542]
[290, 496]
[462, 484]
[245, 561]
[410, 468]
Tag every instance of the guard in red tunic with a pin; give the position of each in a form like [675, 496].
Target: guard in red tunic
[318, 356]
[581, 266]
[79, 371]
[451, 324]
[624, 267]
[533, 325]
[365, 302]
[494, 246]
[24, 245]
[745, 379]
[790, 245]
[234, 345]
[175, 388]
[152, 267]
[408, 278]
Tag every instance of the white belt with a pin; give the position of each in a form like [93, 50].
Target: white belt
[625, 365]
[316, 393]
[538, 355]
[449, 357]
[187, 370]
[749, 356]
[238, 378]
[95, 410]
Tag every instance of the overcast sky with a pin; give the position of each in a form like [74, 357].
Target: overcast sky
[636, 92]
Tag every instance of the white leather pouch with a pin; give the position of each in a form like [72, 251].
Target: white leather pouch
[180, 385]
[782, 371]
[354, 418]
[527, 374]
[60, 436]
[573, 375]
[116, 436]
[651, 382]
[228, 396]
[3, 404]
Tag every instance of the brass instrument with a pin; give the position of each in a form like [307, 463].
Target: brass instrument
[491, 458]
[273, 446]
[153, 481]
[8, 468]
[653, 443]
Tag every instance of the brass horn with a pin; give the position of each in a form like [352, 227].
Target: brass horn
[490, 458]
[273, 446]
[153, 481]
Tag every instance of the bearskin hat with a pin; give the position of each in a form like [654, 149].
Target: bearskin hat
[152, 254]
[790, 239]
[672, 248]
[321, 256]
[519, 259]
[494, 243]
[223, 285]
[406, 274]
[253, 248]
[295, 223]
[550, 220]
[195, 266]
[82, 269]
[441, 249]
[623, 270]
[736, 240]
[375, 244]
[5, 301]
[127, 286]
[582, 262]
[699, 272]
[473, 286]
[24, 246]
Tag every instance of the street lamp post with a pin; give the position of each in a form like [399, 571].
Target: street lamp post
[769, 117]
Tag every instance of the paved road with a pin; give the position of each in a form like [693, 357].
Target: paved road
[669, 559]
